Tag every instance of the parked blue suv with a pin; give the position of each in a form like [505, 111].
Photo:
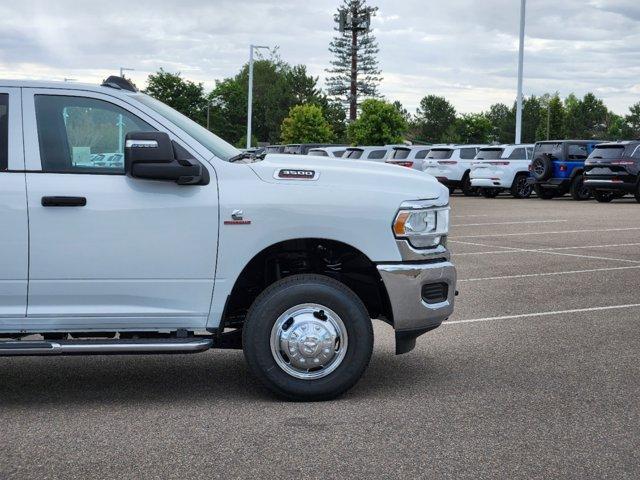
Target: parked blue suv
[558, 168]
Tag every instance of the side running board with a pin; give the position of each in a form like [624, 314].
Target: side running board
[102, 347]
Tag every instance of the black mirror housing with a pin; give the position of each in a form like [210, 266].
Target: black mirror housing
[154, 156]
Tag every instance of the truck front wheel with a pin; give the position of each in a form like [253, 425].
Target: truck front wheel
[308, 337]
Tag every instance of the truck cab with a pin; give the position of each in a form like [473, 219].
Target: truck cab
[129, 228]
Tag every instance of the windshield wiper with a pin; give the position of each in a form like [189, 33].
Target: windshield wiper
[244, 155]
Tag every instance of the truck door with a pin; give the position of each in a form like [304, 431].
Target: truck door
[108, 251]
[14, 237]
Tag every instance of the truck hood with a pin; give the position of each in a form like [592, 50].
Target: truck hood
[350, 174]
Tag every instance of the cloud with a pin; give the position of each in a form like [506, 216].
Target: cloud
[463, 49]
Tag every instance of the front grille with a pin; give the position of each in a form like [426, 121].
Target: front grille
[435, 292]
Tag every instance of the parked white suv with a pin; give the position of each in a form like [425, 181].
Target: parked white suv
[180, 243]
[409, 156]
[376, 154]
[451, 165]
[503, 167]
[335, 152]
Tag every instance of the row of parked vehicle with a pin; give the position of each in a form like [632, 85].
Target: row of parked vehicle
[582, 168]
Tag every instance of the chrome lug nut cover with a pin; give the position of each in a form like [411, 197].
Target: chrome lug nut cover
[308, 341]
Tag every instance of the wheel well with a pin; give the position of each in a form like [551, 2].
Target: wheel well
[308, 255]
[576, 171]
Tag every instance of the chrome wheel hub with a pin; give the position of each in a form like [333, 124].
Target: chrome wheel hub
[308, 341]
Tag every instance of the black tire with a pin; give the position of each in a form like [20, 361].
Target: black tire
[452, 190]
[636, 193]
[578, 190]
[604, 196]
[467, 189]
[544, 193]
[490, 192]
[541, 167]
[520, 188]
[291, 292]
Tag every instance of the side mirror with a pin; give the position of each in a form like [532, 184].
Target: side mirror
[153, 156]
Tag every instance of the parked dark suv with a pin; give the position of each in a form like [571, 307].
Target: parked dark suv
[613, 169]
[558, 167]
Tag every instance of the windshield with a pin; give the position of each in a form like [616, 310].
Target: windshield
[355, 153]
[440, 153]
[608, 152]
[292, 149]
[489, 154]
[317, 153]
[553, 149]
[210, 141]
[400, 153]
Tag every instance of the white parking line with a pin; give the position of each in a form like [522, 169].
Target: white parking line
[568, 272]
[491, 252]
[544, 314]
[506, 223]
[550, 252]
[544, 233]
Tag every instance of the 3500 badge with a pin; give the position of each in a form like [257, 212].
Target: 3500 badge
[296, 174]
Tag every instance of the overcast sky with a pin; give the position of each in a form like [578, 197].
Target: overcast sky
[465, 50]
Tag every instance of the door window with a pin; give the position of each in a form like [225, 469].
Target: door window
[577, 152]
[4, 131]
[467, 153]
[422, 154]
[518, 154]
[83, 135]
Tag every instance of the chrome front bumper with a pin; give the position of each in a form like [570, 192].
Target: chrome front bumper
[413, 315]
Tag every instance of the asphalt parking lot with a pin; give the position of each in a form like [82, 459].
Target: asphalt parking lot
[537, 375]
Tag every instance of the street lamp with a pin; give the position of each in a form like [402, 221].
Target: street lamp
[124, 69]
[250, 99]
[523, 5]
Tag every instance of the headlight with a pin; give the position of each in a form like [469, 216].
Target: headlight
[422, 227]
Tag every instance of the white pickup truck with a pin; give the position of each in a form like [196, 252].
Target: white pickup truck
[180, 243]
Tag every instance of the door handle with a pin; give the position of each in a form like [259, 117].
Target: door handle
[64, 201]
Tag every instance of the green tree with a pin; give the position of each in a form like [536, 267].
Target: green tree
[470, 128]
[379, 123]
[306, 124]
[403, 111]
[633, 120]
[595, 116]
[335, 115]
[586, 118]
[618, 128]
[531, 117]
[503, 123]
[185, 96]
[277, 86]
[434, 117]
[551, 126]
[354, 69]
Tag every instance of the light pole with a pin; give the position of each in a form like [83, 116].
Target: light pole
[125, 69]
[250, 99]
[523, 5]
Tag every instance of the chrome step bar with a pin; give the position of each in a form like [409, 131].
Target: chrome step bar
[113, 347]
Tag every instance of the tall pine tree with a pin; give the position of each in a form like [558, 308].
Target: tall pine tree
[354, 70]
